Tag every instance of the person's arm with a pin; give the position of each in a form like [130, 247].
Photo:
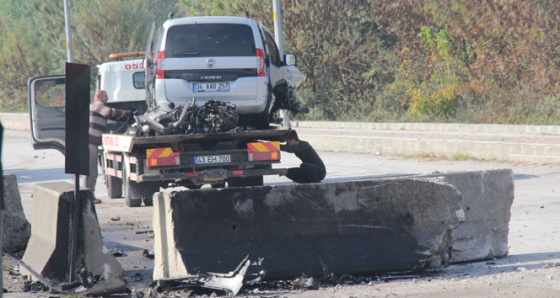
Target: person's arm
[110, 113]
[301, 146]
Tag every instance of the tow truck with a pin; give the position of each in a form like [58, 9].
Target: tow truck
[135, 167]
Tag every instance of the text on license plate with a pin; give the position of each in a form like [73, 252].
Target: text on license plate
[211, 87]
[212, 159]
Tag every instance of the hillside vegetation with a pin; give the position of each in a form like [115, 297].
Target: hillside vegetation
[468, 61]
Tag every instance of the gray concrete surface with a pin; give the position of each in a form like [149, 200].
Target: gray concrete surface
[16, 227]
[48, 252]
[509, 143]
[486, 199]
[530, 268]
[356, 227]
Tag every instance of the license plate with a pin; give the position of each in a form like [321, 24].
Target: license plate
[211, 87]
[212, 159]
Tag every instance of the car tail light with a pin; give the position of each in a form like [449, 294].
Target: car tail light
[160, 59]
[261, 70]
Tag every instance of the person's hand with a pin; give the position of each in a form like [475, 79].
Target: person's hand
[131, 113]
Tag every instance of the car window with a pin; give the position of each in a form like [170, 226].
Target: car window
[274, 53]
[202, 40]
[138, 79]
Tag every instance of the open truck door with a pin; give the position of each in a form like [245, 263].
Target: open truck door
[150, 68]
[47, 112]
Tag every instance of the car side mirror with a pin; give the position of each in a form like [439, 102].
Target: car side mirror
[290, 59]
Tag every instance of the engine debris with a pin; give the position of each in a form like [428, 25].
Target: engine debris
[212, 117]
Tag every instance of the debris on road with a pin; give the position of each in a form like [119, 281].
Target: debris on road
[228, 283]
[148, 254]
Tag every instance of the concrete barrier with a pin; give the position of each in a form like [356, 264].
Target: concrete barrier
[355, 227]
[487, 197]
[48, 252]
[360, 227]
[15, 121]
[16, 227]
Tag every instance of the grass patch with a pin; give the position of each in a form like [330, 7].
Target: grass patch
[8, 267]
[424, 156]
[464, 156]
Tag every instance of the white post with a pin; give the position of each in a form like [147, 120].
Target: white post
[68, 32]
[279, 37]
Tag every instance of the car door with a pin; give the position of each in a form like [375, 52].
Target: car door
[47, 111]
[275, 65]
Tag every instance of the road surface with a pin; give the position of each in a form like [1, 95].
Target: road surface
[532, 267]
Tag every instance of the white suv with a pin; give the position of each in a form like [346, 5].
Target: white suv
[221, 58]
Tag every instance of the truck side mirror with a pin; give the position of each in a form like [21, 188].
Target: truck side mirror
[290, 59]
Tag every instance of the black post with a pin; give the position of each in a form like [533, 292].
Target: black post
[77, 143]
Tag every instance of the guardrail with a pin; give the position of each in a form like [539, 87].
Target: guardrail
[15, 121]
[346, 142]
[20, 121]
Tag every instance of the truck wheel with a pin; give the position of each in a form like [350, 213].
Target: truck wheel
[247, 181]
[218, 185]
[191, 185]
[135, 193]
[114, 186]
[129, 199]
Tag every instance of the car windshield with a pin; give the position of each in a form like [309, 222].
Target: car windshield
[202, 40]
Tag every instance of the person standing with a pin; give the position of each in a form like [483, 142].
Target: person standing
[98, 115]
[312, 169]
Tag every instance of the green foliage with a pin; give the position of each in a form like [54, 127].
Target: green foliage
[35, 43]
[364, 60]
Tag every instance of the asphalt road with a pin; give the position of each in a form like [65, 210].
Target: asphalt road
[529, 269]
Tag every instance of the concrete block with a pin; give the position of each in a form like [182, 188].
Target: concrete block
[356, 227]
[48, 252]
[16, 227]
[487, 199]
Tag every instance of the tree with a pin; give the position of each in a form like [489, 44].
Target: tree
[35, 43]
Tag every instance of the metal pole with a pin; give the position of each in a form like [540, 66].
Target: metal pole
[277, 10]
[76, 205]
[2, 207]
[68, 32]
[279, 37]
[75, 227]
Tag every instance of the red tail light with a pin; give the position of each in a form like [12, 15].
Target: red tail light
[160, 59]
[261, 70]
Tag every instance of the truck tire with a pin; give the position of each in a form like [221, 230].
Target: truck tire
[247, 181]
[114, 187]
[134, 192]
[131, 201]
[218, 185]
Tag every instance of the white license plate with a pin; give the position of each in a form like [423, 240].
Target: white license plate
[212, 159]
[211, 87]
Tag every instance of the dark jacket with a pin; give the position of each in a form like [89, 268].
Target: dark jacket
[305, 152]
